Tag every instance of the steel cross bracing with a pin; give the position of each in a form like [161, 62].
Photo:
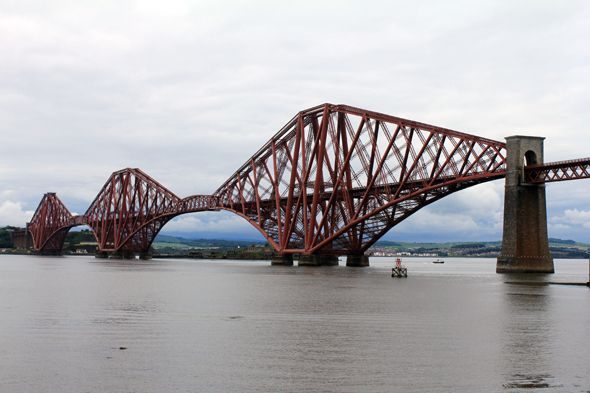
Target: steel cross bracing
[129, 211]
[50, 223]
[336, 178]
[132, 208]
[557, 171]
[331, 181]
[126, 215]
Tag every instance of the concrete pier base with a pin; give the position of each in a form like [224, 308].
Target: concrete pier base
[145, 255]
[282, 260]
[101, 254]
[54, 253]
[317, 260]
[122, 255]
[357, 260]
[525, 246]
[524, 265]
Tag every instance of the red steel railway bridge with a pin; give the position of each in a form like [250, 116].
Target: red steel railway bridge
[332, 182]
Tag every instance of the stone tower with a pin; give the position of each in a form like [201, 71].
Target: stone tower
[525, 246]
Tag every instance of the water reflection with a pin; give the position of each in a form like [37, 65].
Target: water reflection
[527, 332]
[134, 265]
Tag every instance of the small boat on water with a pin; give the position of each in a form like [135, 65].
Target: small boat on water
[438, 261]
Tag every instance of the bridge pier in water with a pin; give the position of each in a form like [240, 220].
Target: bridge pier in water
[525, 245]
[317, 260]
[282, 260]
[357, 260]
[49, 252]
[121, 255]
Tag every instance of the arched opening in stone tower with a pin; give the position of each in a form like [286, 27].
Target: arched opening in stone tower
[530, 158]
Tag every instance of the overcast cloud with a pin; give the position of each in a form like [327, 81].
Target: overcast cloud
[189, 90]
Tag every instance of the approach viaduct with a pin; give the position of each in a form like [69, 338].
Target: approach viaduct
[332, 182]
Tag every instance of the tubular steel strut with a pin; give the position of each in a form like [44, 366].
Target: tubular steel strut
[332, 181]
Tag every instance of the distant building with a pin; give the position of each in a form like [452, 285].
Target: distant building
[21, 239]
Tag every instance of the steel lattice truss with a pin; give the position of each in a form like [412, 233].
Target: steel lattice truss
[50, 223]
[557, 171]
[126, 215]
[129, 211]
[332, 181]
[336, 178]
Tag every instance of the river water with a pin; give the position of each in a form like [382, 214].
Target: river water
[243, 326]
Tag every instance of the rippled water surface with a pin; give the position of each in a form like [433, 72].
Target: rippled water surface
[79, 324]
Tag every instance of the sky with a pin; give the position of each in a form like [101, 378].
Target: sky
[188, 91]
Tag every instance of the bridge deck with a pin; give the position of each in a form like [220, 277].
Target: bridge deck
[557, 171]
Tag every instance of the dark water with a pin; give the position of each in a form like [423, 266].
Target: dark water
[230, 326]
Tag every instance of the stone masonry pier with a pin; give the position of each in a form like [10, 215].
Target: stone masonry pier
[525, 246]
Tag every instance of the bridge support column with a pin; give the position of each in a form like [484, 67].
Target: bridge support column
[49, 252]
[282, 260]
[122, 255]
[145, 255]
[525, 246]
[357, 260]
[317, 260]
[101, 254]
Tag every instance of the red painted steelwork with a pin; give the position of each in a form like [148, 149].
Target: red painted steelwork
[126, 215]
[50, 224]
[557, 171]
[336, 178]
[331, 181]
[131, 209]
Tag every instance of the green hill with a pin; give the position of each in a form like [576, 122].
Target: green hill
[559, 248]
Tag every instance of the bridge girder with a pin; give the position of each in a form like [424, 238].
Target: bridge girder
[336, 178]
[333, 180]
[50, 224]
[129, 211]
[557, 171]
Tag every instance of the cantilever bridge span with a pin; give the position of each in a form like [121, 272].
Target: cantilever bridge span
[331, 182]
